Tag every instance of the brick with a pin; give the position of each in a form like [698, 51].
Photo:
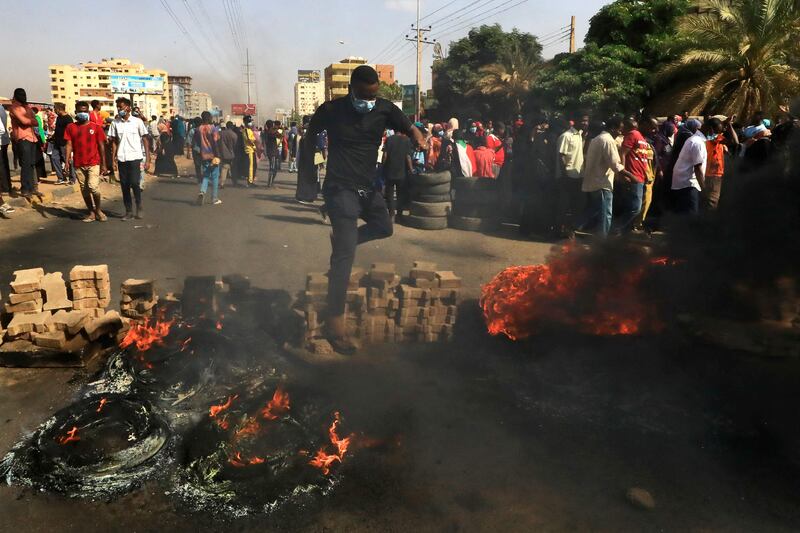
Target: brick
[358, 296]
[58, 304]
[28, 280]
[424, 265]
[236, 283]
[54, 287]
[409, 292]
[55, 340]
[314, 297]
[111, 322]
[99, 284]
[86, 303]
[317, 282]
[422, 283]
[423, 270]
[382, 272]
[91, 292]
[138, 286]
[448, 279]
[84, 272]
[33, 322]
[15, 298]
[356, 275]
[144, 306]
[29, 306]
[70, 321]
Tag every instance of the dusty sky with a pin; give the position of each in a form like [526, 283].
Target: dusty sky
[282, 36]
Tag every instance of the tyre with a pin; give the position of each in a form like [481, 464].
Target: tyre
[432, 198]
[424, 209]
[442, 188]
[427, 223]
[464, 209]
[471, 223]
[476, 197]
[472, 184]
[431, 178]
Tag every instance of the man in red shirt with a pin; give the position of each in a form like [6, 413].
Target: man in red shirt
[636, 154]
[86, 143]
[495, 144]
[23, 135]
[484, 159]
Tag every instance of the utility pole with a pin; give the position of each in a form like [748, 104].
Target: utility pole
[419, 40]
[248, 79]
[572, 35]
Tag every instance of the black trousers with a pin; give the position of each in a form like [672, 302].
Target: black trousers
[26, 152]
[5, 170]
[345, 206]
[130, 179]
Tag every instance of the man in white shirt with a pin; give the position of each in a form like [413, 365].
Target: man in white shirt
[688, 177]
[5, 170]
[130, 137]
[602, 164]
[568, 171]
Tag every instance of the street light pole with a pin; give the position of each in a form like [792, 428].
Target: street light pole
[418, 101]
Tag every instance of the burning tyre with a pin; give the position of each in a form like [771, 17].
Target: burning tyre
[262, 454]
[98, 447]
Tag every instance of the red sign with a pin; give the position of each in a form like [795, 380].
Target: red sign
[243, 109]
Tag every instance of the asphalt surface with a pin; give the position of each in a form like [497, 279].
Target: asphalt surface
[546, 435]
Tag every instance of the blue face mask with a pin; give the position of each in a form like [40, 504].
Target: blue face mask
[362, 106]
[473, 130]
[122, 113]
[82, 117]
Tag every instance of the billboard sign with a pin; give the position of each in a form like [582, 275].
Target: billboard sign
[308, 76]
[243, 109]
[136, 84]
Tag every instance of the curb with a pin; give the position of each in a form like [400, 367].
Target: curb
[50, 196]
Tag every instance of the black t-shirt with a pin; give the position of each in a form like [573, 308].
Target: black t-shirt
[354, 138]
[397, 149]
[61, 125]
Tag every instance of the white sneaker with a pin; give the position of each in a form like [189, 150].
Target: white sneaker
[217, 202]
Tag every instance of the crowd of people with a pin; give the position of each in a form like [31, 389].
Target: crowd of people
[560, 175]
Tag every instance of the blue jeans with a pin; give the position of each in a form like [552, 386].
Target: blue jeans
[686, 201]
[210, 173]
[630, 204]
[598, 212]
[57, 157]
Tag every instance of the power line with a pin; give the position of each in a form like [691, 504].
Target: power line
[486, 17]
[553, 33]
[448, 15]
[392, 44]
[465, 12]
[556, 38]
[232, 27]
[475, 17]
[188, 35]
[441, 8]
[204, 34]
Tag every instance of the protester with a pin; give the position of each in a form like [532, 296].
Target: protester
[355, 125]
[721, 139]
[271, 141]
[484, 159]
[165, 152]
[570, 146]
[227, 150]
[129, 134]
[97, 115]
[23, 135]
[603, 162]
[252, 151]
[58, 147]
[208, 140]
[688, 175]
[649, 128]
[293, 140]
[637, 156]
[5, 140]
[397, 167]
[85, 146]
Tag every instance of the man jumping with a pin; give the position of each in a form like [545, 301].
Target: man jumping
[355, 126]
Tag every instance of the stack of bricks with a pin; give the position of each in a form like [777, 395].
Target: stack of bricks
[91, 288]
[382, 309]
[138, 298]
[36, 296]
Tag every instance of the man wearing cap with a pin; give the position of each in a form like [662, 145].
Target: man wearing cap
[688, 176]
[355, 125]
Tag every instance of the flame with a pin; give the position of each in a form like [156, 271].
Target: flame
[103, 402]
[574, 289]
[279, 404]
[250, 428]
[219, 322]
[240, 462]
[144, 336]
[223, 422]
[185, 343]
[69, 437]
[214, 410]
[324, 460]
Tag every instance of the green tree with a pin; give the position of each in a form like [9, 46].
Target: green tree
[457, 75]
[510, 78]
[627, 41]
[600, 80]
[743, 57]
[391, 91]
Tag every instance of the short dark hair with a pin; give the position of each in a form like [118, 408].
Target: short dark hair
[123, 100]
[205, 116]
[59, 105]
[95, 103]
[364, 74]
[229, 124]
[614, 121]
[35, 109]
[20, 95]
[293, 124]
[268, 124]
[154, 117]
[80, 103]
[714, 123]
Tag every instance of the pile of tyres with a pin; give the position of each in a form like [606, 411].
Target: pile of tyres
[475, 204]
[430, 201]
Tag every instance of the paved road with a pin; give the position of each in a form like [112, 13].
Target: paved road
[498, 436]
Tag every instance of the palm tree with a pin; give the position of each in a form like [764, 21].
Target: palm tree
[742, 56]
[511, 77]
